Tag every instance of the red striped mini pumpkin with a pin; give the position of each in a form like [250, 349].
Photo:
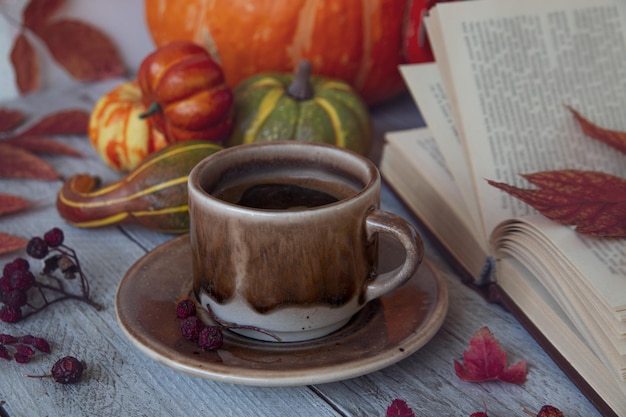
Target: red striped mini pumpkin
[117, 133]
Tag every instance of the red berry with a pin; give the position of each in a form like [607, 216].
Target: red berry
[210, 338]
[18, 264]
[5, 285]
[54, 237]
[67, 370]
[185, 308]
[22, 280]
[15, 299]
[191, 327]
[37, 248]
[10, 315]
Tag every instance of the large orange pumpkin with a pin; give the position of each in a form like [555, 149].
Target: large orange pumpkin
[358, 41]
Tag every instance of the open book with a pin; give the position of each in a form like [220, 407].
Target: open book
[495, 107]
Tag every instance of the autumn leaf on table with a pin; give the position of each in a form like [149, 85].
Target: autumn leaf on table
[24, 60]
[84, 51]
[594, 202]
[10, 119]
[19, 163]
[10, 203]
[399, 408]
[41, 144]
[38, 13]
[484, 360]
[612, 138]
[10, 243]
[61, 122]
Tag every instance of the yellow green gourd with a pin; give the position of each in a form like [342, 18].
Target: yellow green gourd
[153, 195]
[277, 106]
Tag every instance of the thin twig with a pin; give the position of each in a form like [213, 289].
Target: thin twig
[230, 325]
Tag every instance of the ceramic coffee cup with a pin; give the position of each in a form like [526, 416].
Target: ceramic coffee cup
[284, 238]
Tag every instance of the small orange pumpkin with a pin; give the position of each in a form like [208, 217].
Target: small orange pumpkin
[357, 41]
[186, 94]
[117, 133]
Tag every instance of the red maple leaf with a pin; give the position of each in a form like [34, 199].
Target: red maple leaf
[612, 138]
[484, 360]
[594, 202]
[399, 408]
[546, 411]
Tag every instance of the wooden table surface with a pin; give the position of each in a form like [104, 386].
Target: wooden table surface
[121, 381]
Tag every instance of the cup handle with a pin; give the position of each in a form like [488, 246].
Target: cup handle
[379, 221]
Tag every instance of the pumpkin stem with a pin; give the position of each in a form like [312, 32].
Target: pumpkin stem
[301, 88]
[153, 108]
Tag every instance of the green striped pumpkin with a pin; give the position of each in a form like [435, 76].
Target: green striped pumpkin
[153, 195]
[277, 106]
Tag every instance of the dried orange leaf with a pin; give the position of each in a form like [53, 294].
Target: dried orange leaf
[84, 51]
[63, 122]
[614, 138]
[10, 203]
[25, 65]
[10, 243]
[18, 163]
[41, 144]
[592, 201]
[10, 119]
[484, 360]
[37, 13]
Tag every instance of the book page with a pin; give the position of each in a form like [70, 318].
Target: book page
[548, 317]
[416, 169]
[533, 241]
[424, 83]
[600, 263]
[514, 66]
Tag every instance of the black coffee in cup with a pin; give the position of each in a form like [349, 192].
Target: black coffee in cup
[285, 188]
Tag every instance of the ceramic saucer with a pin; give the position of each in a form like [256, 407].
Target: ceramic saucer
[382, 333]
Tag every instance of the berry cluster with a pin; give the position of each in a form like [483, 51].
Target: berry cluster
[21, 348]
[19, 287]
[194, 329]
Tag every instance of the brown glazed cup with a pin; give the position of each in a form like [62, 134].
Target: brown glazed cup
[274, 254]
